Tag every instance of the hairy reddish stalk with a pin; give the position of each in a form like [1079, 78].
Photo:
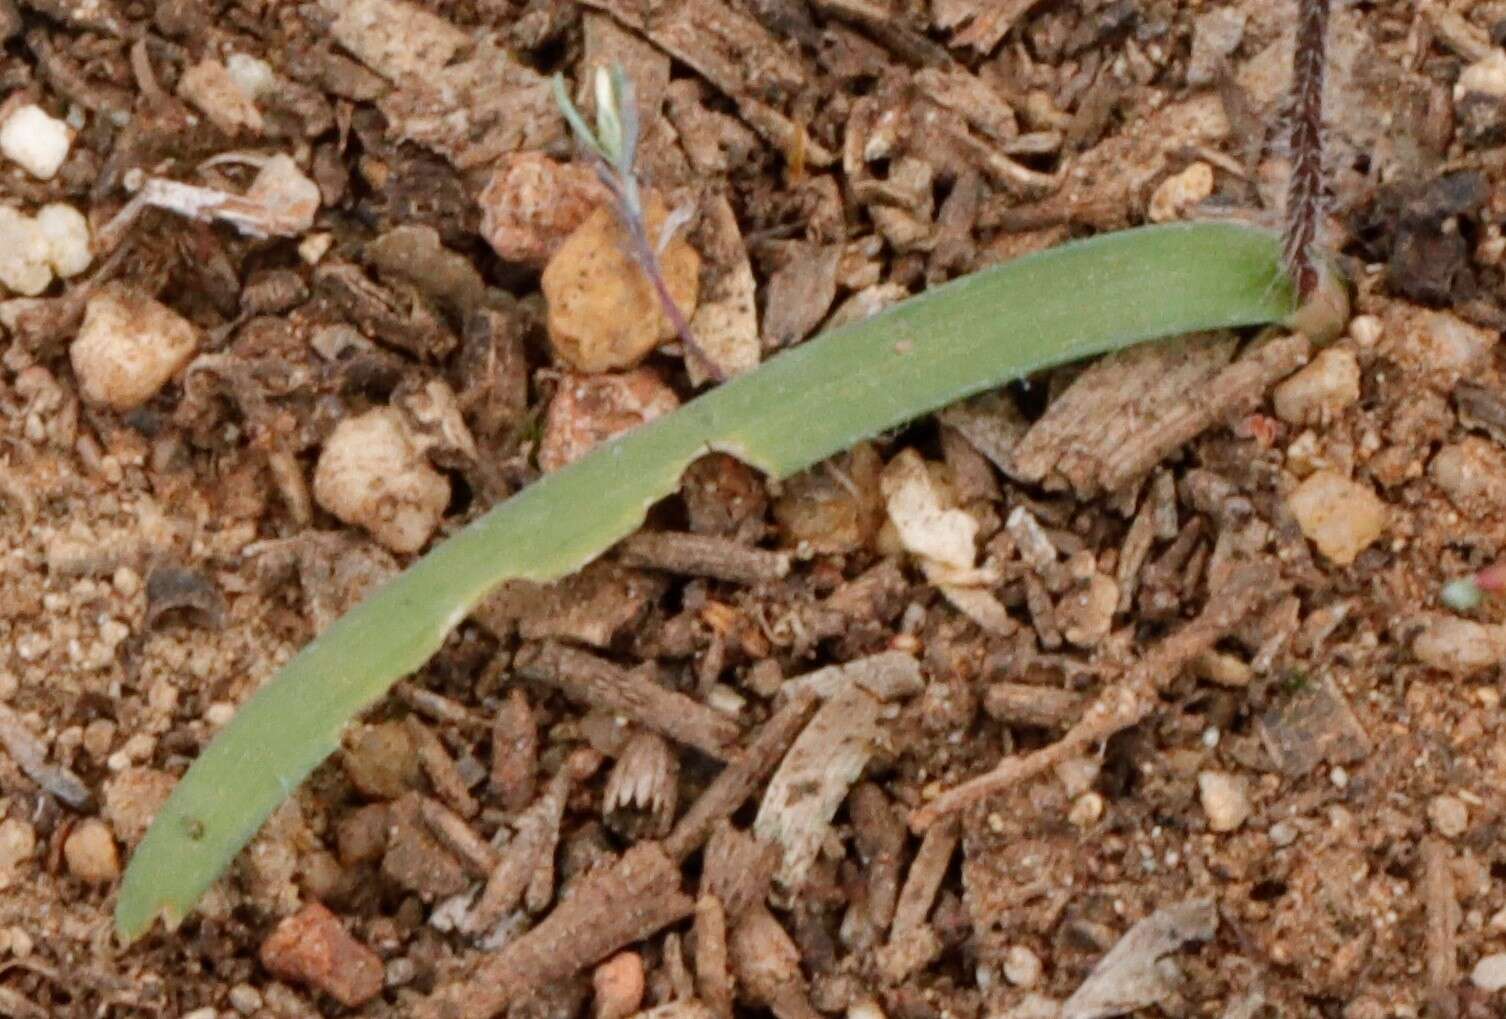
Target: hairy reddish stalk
[1304, 193]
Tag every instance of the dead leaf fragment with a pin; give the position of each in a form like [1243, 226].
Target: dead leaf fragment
[1130, 977]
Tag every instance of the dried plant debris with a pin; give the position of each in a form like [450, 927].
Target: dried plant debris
[816, 774]
[1132, 975]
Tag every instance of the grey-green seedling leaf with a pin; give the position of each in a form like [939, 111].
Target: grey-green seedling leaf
[804, 405]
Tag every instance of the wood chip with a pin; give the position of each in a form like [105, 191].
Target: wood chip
[712, 971]
[813, 780]
[30, 755]
[440, 767]
[703, 555]
[511, 874]
[1442, 919]
[1030, 704]
[515, 751]
[912, 942]
[584, 677]
[767, 966]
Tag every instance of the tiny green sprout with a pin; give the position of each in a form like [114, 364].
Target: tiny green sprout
[613, 147]
[1295, 681]
[800, 407]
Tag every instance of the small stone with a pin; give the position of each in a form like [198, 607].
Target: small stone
[1022, 967]
[245, 999]
[1341, 517]
[1449, 815]
[252, 75]
[381, 762]
[1086, 614]
[604, 312]
[312, 947]
[211, 89]
[1472, 473]
[1485, 77]
[618, 983]
[25, 254]
[90, 852]
[1489, 973]
[1225, 799]
[18, 843]
[1086, 810]
[1458, 646]
[132, 798]
[129, 347]
[1180, 192]
[1318, 393]
[395, 38]
[35, 141]
[372, 474]
[532, 204]
[1365, 330]
[587, 411]
[1216, 34]
[1283, 834]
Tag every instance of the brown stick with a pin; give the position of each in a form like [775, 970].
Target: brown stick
[628, 901]
[740, 778]
[1125, 704]
[602, 684]
[703, 555]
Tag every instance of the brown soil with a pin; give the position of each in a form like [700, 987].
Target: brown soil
[1327, 771]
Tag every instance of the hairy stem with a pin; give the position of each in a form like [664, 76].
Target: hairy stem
[1305, 190]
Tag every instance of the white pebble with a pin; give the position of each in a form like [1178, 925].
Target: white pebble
[1458, 646]
[251, 75]
[1319, 392]
[1366, 330]
[128, 347]
[25, 255]
[1022, 967]
[1339, 777]
[1225, 799]
[38, 143]
[67, 234]
[1180, 192]
[1489, 973]
[1486, 77]
[1283, 834]
[1449, 815]
[373, 474]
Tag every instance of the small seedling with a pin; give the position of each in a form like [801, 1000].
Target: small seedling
[613, 149]
[799, 408]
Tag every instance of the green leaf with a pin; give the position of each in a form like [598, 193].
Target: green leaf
[802, 406]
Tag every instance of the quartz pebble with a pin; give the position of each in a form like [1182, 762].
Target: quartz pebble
[312, 947]
[35, 141]
[604, 313]
[1341, 517]
[128, 347]
[32, 249]
[1180, 192]
[1449, 816]
[1489, 973]
[1225, 799]
[1484, 77]
[90, 852]
[373, 474]
[1458, 646]
[1022, 967]
[1319, 392]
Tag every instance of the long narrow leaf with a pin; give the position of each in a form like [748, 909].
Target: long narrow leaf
[802, 406]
